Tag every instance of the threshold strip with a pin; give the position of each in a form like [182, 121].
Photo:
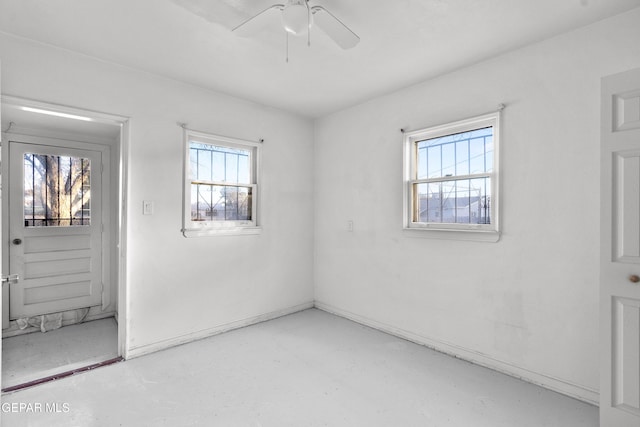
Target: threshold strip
[62, 375]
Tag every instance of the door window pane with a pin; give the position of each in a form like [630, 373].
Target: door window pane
[57, 191]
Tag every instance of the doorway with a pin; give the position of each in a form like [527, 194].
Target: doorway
[620, 250]
[62, 174]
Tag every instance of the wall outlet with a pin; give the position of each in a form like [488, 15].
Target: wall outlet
[147, 207]
[350, 225]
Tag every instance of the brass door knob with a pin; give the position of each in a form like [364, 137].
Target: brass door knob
[634, 278]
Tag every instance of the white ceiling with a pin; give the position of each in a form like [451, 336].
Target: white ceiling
[402, 41]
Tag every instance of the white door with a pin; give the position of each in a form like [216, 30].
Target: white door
[620, 251]
[55, 226]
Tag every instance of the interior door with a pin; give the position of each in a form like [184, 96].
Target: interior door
[55, 217]
[620, 256]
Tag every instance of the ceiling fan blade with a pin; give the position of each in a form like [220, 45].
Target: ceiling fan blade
[256, 22]
[334, 28]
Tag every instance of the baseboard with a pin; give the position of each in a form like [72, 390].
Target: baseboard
[567, 388]
[138, 351]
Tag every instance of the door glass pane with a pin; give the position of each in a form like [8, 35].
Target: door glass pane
[57, 191]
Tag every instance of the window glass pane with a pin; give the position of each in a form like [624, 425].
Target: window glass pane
[244, 174]
[207, 203]
[448, 159]
[220, 202]
[434, 195]
[430, 206]
[461, 153]
[244, 203]
[57, 191]
[219, 164]
[231, 171]
[448, 201]
[204, 165]
[196, 212]
[465, 201]
[434, 162]
[462, 157]
[420, 193]
[477, 155]
[488, 141]
[480, 189]
[422, 163]
[193, 163]
[237, 203]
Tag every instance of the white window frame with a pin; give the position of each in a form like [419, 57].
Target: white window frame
[480, 232]
[231, 227]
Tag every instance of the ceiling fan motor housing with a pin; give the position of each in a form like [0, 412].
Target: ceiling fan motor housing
[297, 17]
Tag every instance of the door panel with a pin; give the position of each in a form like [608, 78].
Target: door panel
[620, 251]
[626, 200]
[55, 214]
[626, 370]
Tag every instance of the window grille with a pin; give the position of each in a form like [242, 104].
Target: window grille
[57, 191]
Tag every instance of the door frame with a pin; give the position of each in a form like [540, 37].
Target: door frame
[120, 171]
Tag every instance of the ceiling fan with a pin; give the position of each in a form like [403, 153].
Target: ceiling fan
[298, 17]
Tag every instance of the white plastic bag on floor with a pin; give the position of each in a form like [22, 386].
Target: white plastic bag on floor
[46, 322]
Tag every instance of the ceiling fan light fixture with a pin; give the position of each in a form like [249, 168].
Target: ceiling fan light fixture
[296, 18]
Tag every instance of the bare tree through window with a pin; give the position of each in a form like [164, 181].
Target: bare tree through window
[57, 190]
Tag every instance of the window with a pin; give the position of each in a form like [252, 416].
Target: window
[221, 187]
[451, 176]
[57, 191]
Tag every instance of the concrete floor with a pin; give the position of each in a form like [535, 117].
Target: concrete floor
[306, 369]
[37, 355]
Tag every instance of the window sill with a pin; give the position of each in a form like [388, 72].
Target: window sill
[237, 231]
[490, 236]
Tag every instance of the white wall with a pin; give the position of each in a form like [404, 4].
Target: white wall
[528, 304]
[179, 286]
